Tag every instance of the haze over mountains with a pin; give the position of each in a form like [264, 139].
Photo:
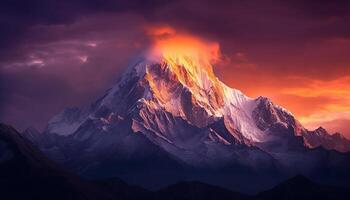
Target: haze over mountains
[169, 118]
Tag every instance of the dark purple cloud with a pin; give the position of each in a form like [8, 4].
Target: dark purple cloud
[65, 65]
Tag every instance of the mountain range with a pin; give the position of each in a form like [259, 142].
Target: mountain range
[171, 119]
[26, 173]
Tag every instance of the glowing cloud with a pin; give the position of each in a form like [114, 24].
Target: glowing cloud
[337, 109]
[191, 52]
[189, 58]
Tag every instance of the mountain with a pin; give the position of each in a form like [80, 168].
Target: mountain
[188, 190]
[170, 119]
[295, 188]
[320, 137]
[299, 187]
[25, 173]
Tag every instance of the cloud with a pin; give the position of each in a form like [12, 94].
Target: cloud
[337, 88]
[17, 17]
[63, 66]
[82, 46]
[176, 46]
[336, 110]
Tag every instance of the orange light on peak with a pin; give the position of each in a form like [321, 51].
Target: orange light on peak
[190, 52]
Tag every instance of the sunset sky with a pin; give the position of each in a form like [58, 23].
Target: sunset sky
[55, 54]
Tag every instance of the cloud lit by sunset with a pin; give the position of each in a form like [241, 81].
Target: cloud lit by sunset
[334, 109]
[300, 62]
[183, 49]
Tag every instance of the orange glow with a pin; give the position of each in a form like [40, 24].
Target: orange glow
[314, 102]
[336, 109]
[186, 53]
[190, 58]
[190, 52]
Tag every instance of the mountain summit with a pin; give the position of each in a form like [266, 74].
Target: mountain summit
[183, 85]
[171, 113]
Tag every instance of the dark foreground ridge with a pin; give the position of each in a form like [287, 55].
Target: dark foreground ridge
[25, 173]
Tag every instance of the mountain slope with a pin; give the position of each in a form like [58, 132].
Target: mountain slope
[320, 137]
[170, 117]
[197, 190]
[299, 187]
[25, 173]
[295, 188]
[166, 89]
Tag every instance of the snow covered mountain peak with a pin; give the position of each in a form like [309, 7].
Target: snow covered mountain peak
[177, 100]
[170, 112]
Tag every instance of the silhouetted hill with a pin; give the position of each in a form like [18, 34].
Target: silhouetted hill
[197, 190]
[119, 189]
[299, 187]
[25, 173]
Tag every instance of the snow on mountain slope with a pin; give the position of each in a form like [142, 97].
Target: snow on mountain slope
[199, 101]
[193, 120]
[156, 94]
[169, 115]
[66, 122]
[169, 118]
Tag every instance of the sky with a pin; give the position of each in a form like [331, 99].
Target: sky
[55, 53]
